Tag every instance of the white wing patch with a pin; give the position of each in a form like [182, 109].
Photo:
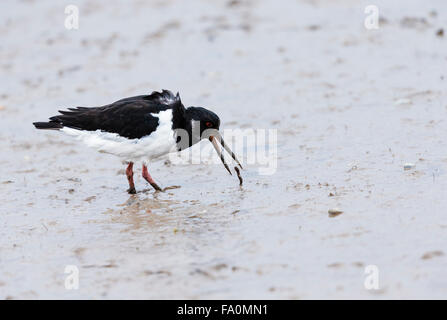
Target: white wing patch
[157, 144]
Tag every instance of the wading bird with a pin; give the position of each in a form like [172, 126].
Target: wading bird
[141, 128]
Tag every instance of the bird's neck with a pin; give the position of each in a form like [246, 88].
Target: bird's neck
[186, 130]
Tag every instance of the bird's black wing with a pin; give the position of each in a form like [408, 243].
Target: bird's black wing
[130, 117]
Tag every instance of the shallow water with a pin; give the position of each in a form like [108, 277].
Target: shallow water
[350, 107]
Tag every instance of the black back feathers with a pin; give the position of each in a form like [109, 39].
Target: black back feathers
[130, 117]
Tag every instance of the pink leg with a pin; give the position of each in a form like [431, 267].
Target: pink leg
[149, 179]
[129, 174]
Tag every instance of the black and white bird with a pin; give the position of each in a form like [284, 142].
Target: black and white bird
[141, 128]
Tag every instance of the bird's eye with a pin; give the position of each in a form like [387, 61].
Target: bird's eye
[209, 124]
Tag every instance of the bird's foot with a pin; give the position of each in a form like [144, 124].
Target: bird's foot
[156, 187]
[131, 191]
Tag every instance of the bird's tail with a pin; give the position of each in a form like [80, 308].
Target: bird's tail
[48, 125]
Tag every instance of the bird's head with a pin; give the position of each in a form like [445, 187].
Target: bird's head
[205, 124]
[201, 120]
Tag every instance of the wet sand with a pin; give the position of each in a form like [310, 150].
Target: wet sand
[351, 108]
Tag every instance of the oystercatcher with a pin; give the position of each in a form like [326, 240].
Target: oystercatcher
[141, 128]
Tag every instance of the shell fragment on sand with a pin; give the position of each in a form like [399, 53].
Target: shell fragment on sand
[403, 101]
[334, 212]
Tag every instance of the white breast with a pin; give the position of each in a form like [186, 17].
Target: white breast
[157, 144]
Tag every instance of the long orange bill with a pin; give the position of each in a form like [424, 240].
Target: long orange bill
[219, 152]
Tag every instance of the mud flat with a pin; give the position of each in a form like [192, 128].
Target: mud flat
[351, 108]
